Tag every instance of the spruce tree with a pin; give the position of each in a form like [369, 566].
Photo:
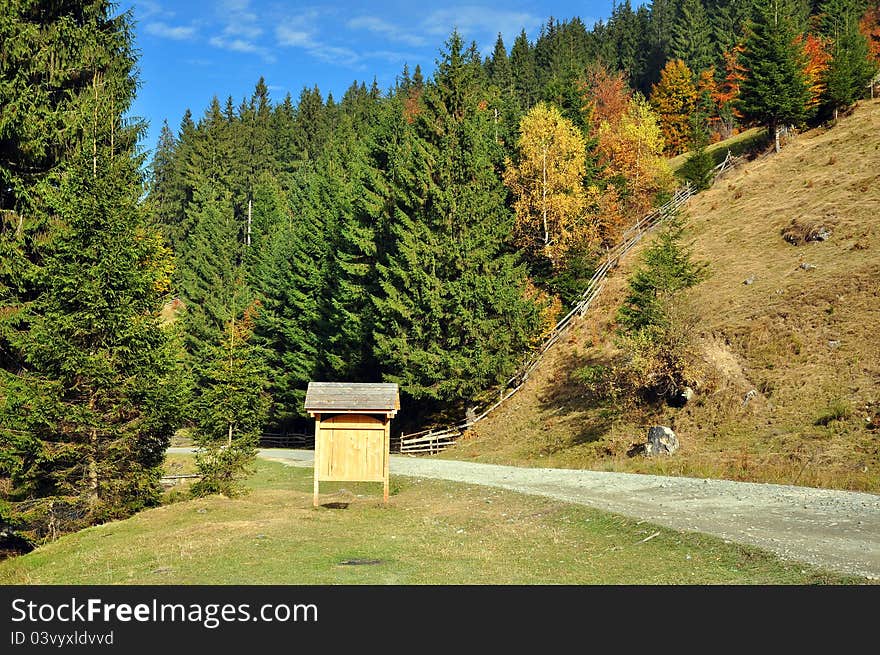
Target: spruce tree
[163, 205]
[207, 164]
[87, 400]
[775, 91]
[728, 19]
[850, 68]
[522, 67]
[663, 15]
[692, 36]
[654, 335]
[211, 281]
[253, 156]
[628, 38]
[667, 268]
[311, 123]
[284, 146]
[499, 68]
[361, 193]
[292, 278]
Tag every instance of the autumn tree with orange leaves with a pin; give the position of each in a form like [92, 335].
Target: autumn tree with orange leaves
[606, 96]
[631, 151]
[870, 28]
[727, 92]
[816, 49]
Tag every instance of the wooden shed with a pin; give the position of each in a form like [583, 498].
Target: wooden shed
[352, 431]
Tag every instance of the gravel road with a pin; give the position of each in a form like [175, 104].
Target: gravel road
[836, 530]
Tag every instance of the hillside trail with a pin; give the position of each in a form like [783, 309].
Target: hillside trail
[835, 530]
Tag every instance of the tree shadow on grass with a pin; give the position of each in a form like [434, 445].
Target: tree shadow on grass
[587, 417]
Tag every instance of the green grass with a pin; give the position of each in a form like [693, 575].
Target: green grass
[737, 144]
[430, 533]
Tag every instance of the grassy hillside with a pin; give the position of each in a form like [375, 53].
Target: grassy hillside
[429, 533]
[806, 339]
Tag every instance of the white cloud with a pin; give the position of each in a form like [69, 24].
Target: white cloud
[301, 31]
[175, 32]
[239, 20]
[294, 38]
[246, 30]
[241, 45]
[386, 29]
[475, 22]
[336, 55]
[147, 8]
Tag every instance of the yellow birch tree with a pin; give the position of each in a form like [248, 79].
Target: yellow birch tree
[547, 183]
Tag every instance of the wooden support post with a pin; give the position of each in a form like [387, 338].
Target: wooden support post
[316, 470]
[387, 450]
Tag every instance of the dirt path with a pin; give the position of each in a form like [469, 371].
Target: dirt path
[837, 530]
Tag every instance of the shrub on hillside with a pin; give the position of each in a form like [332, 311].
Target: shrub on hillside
[655, 333]
[698, 169]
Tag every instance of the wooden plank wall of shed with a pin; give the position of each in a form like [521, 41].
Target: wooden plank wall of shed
[352, 449]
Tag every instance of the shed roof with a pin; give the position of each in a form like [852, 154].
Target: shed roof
[352, 397]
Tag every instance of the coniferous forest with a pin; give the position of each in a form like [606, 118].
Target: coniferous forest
[428, 234]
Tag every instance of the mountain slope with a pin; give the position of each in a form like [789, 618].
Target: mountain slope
[804, 334]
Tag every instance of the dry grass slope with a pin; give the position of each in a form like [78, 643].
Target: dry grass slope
[803, 334]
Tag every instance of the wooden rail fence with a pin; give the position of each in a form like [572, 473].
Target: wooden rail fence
[435, 439]
[287, 440]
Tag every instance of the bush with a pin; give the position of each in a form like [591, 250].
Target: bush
[658, 361]
[223, 468]
[698, 169]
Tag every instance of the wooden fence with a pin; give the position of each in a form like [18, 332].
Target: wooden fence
[287, 440]
[433, 440]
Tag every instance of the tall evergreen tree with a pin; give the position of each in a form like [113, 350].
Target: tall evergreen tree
[663, 15]
[311, 124]
[775, 91]
[850, 68]
[86, 401]
[499, 69]
[284, 146]
[626, 33]
[292, 278]
[692, 36]
[211, 282]
[254, 154]
[164, 205]
[522, 66]
[728, 19]
[350, 315]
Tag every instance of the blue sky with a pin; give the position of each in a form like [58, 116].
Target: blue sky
[191, 51]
